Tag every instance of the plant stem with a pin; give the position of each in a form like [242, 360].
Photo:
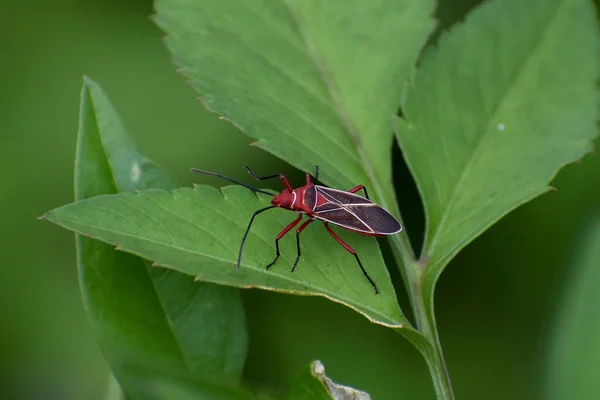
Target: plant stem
[411, 271]
[435, 361]
[403, 255]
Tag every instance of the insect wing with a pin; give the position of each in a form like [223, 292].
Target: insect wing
[354, 212]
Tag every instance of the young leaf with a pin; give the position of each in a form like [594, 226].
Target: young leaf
[145, 317]
[315, 82]
[575, 355]
[507, 99]
[199, 232]
[313, 384]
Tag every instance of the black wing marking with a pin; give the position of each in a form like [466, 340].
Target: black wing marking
[378, 219]
[344, 218]
[355, 212]
[310, 197]
[329, 207]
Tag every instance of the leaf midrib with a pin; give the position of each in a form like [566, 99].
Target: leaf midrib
[108, 159]
[168, 321]
[429, 252]
[340, 109]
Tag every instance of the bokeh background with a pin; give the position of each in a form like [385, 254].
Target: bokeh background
[496, 303]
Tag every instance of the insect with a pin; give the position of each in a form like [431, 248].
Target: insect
[345, 209]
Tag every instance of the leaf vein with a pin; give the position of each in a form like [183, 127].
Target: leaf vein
[301, 117]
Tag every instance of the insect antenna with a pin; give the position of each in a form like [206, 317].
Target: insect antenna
[232, 180]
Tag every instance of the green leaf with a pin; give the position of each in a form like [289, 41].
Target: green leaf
[574, 359]
[113, 390]
[506, 100]
[314, 384]
[198, 231]
[314, 82]
[145, 317]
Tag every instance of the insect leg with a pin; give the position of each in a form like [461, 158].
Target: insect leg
[285, 230]
[351, 251]
[315, 177]
[248, 230]
[359, 187]
[298, 231]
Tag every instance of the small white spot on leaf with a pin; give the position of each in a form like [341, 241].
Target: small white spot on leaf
[136, 172]
[500, 127]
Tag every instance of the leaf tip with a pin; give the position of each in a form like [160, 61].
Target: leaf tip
[42, 217]
[552, 188]
[87, 81]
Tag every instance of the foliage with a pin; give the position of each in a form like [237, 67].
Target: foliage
[124, 296]
[489, 117]
[574, 352]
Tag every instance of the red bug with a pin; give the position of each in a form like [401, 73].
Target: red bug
[342, 208]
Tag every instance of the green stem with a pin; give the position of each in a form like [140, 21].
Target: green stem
[411, 271]
[404, 256]
[435, 361]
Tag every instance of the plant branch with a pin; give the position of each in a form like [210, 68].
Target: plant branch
[426, 324]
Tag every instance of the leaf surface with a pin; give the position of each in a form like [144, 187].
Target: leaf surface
[198, 231]
[506, 100]
[146, 317]
[314, 82]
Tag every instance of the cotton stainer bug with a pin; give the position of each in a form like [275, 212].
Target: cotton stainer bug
[345, 209]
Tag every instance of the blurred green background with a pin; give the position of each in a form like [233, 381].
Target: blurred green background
[496, 303]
